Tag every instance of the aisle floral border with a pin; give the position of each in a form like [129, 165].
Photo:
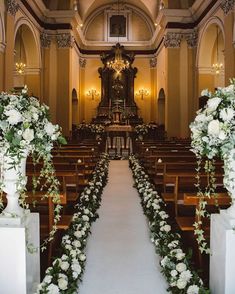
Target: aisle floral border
[64, 274]
[175, 263]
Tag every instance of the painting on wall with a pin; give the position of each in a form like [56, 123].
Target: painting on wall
[117, 26]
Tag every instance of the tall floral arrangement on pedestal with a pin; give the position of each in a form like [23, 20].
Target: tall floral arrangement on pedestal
[213, 135]
[25, 129]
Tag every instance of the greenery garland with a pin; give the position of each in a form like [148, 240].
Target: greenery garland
[175, 263]
[64, 274]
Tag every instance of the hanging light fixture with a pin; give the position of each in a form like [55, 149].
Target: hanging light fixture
[20, 66]
[217, 67]
[118, 64]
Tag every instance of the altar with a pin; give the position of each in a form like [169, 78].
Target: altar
[119, 128]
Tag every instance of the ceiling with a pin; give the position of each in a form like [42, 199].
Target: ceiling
[86, 7]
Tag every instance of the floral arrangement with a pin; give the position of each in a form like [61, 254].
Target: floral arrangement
[97, 129]
[213, 135]
[64, 274]
[25, 128]
[175, 263]
[141, 130]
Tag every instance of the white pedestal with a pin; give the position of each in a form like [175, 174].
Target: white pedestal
[20, 270]
[222, 260]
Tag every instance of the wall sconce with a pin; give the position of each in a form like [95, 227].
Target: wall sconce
[93, 93]
[142, 93]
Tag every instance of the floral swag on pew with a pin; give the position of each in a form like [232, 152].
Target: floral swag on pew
[175, 263]
[66, 272]
[213, 136]
[25, 129]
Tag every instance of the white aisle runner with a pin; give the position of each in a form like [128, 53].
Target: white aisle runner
[120, 256]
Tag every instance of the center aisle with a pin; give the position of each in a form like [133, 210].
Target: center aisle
[120, 256]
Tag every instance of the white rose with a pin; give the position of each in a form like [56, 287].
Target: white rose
[181, 284]
[174, 273]
[49, 128]
[53, 289]
[76, 243]
[78, 234]
[167, 228]
[64, 265]
[76, 267]
[227, 114]
[181, 267]
[47, 279]
[201, 117]
[28, 135]
[222, 135]
[180, 256]
[14, 116]
[205, 92]
[213, 103]
[214, 127]
[85, 218]
[62, 283]
[193, 289]
[82, 257]
[186, 275]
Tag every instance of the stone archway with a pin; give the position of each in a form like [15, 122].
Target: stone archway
[161, 107]
[210, 51]
[27, 50]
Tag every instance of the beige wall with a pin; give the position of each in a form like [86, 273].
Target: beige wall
[95, 31]
[140, 30]
[91, 80]
[1, 71]
[143, 80]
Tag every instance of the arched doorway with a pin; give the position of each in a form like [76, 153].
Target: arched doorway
[74, 107]
[27, 51]
[211, 52]
[161, 107]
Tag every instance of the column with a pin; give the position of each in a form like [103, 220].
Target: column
[153, 73]
[82, 63]
[172, 43]
[12, 8]
[65, 42]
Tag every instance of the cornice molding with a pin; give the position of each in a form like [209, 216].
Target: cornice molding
[227, 6]
[12, 7]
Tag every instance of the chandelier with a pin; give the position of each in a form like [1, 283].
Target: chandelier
[218, 66]
[118, 64]
[20, 66]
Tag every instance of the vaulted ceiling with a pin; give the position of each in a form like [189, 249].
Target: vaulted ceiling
[87, 7]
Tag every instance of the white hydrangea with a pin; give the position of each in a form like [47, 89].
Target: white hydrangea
[193, 289]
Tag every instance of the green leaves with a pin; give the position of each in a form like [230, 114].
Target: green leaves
[62, 140]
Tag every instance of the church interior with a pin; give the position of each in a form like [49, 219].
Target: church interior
[123, 79]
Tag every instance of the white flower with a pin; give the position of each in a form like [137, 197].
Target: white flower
[76, 267]
[76, 243]
[181, 284]
[180, 267]
[14, 116]
[174, 273]
[164, 261]
[186, 275]
[64, 265]
[47, 279]
[85, 218]
[82, 257]
[53, 289]
[205, 92]
[77, 234]
[28, 135]
[49, 129]
[214, 127]
[62, 283]
[222, 135]
[213, 103]
[193, 289]
[227, 114]
[180, 256]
